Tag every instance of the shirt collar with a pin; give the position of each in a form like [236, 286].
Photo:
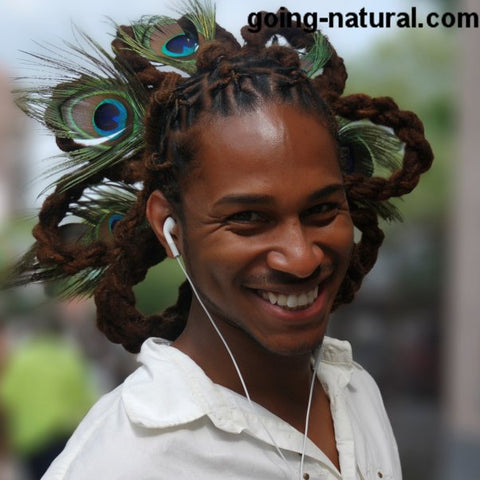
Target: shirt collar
[336, 365]
[170, 389]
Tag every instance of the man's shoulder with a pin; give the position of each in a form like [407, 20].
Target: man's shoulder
[157, 395]
[89, 432]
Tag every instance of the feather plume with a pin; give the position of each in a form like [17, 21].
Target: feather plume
[91, 219]
[202, 15]
[368, 148]
[167, 41]
[97, 105]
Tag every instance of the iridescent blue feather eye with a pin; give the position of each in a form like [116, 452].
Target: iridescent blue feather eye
[110, 117]
[180, 46]
[113, 220]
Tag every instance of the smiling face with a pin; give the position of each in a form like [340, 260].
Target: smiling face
[266, 233]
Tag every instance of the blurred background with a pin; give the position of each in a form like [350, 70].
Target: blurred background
[414, 324]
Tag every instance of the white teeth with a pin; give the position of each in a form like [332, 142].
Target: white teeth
[303, 299]
[292, 301]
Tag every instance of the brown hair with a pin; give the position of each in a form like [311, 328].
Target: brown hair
[229, 79]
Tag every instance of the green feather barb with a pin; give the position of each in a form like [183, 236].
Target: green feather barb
[202, 15]
[316, 57]
[368, 148]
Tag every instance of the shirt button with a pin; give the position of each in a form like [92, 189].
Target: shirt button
[306, 476]
[380, 475]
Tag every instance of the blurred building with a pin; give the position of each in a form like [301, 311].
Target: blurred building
[461, 345]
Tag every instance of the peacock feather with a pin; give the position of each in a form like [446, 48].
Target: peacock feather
[368, 148]
[167, 41]
[91, 219]
[315, 58]
[96, 109]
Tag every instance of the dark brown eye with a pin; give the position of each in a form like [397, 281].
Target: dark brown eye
[249, 216]
[322, 213]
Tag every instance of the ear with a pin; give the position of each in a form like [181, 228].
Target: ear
[158, 210]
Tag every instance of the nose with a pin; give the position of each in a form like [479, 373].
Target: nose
[295, 252]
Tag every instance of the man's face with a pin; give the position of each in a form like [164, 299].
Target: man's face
[267, 235]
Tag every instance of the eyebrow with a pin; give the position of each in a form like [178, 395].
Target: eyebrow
[258, 199]
[326, 191]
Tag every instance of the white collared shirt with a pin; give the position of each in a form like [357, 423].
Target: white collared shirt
[169, 421]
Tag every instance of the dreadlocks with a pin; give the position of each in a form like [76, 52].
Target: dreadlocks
[229, 79]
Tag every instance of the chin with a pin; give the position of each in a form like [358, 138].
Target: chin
[291, 347]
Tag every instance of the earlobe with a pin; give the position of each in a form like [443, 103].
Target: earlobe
[158, 209]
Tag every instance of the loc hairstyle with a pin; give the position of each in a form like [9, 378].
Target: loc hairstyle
[122, 121]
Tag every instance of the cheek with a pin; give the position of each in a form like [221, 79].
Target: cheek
[339, 234]
[347, 236]
[215, 259]
[341, 240]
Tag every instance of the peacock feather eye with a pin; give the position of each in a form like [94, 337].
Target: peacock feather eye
[105, 226]
[171, 41]
[113, 220]
[180, 46]
[110, 117]
[98, 116]
[167, 41]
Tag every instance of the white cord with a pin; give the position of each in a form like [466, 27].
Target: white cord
[309, 406]
[244, 386]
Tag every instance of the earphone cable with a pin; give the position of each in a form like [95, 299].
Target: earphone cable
[309, 406]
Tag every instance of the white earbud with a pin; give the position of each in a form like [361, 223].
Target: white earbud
[167, 233]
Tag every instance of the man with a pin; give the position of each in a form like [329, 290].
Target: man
[258, 183]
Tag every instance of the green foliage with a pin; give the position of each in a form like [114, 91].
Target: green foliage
[160, 288]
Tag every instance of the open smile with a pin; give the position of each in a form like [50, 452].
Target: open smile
[291, 301]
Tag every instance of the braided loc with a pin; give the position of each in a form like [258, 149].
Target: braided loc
[139, 248]
[417, 159]
[334, 75]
